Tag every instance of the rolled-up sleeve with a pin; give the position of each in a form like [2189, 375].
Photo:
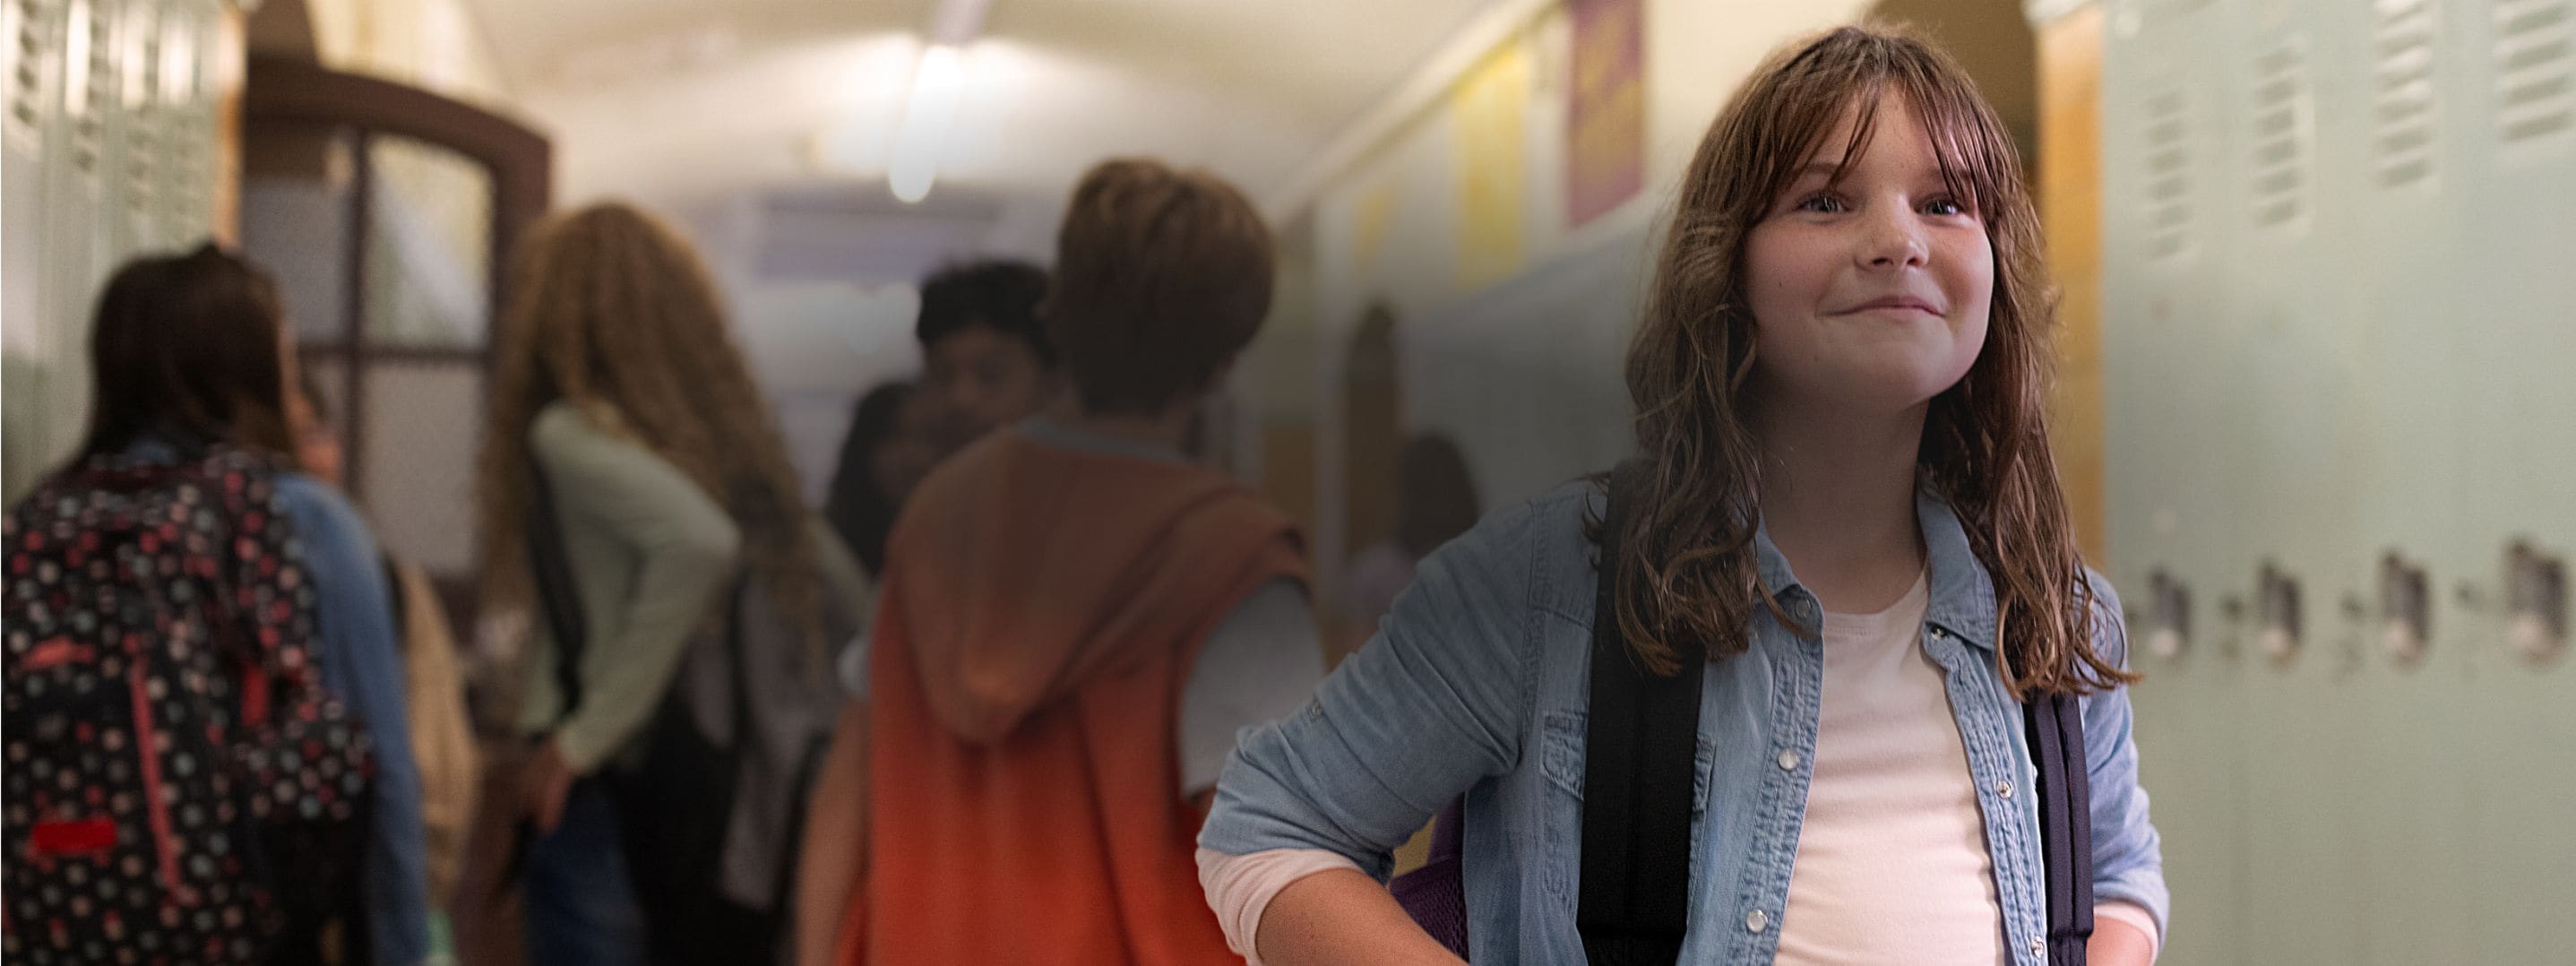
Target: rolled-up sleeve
[1433, 703]
[2128, 859]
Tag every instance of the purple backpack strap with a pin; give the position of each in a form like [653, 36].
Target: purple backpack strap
[1435, 895]
[1448, 831]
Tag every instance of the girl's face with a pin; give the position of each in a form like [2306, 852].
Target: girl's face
[905, 455]
[1870, 294]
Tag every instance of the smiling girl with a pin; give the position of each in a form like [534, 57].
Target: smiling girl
[1845, 505]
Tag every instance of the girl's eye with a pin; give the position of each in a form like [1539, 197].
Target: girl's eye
[1945, 206]
[1821, 204]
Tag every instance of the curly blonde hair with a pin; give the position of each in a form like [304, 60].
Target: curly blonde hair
[612, 311]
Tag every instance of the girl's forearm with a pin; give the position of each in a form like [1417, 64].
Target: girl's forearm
[1343, 917]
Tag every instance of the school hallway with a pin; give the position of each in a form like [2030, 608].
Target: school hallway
[2311, 411]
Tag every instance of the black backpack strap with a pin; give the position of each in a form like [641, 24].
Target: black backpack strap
[550, 564]
[737, 663]
[395, 599]
[2056, 723]
[1640, 761]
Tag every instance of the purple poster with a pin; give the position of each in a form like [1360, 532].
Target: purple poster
[1605, 126]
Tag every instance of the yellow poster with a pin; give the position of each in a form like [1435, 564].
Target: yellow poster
[1489, 111]
[1370, 219]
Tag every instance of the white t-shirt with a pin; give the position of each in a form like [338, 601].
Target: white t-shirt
[1892, 864]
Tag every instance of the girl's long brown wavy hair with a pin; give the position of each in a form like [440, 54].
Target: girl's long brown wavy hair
[1688, 571]
[187, 348]
[612, 311]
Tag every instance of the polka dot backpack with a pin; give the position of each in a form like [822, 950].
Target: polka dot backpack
[174, 774]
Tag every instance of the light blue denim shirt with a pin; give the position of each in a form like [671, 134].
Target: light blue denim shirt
[1476, 684]
[359, 652]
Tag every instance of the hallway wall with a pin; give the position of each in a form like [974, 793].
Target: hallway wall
[114, 141]
[1511, 326]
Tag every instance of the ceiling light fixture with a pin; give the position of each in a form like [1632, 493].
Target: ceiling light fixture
[928, 112]
[930, 107]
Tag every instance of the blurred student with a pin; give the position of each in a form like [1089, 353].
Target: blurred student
[986, 361]
[1435, 501]
[883, 456]
[191, 358]
[442, 732]
[629, 445]
[1075, 622]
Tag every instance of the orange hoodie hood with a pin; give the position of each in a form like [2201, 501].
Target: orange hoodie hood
[1027, 569]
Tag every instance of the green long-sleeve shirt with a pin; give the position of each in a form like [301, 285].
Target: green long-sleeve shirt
[650, 552]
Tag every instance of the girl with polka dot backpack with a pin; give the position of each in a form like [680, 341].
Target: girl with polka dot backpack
[177, 785]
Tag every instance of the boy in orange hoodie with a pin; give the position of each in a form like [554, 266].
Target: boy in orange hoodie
[1075, 622]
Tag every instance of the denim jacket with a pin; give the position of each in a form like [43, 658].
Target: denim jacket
[359, 651]
[1476, 684]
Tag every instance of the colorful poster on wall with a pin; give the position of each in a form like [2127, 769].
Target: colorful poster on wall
[1605, 124]
[1372, 217]
[1489, 111]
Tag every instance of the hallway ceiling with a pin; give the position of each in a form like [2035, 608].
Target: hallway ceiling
[684, 102]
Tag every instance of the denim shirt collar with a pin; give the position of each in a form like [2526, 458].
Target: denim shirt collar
[1962, 594]
[156, 450]
[162, 445]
